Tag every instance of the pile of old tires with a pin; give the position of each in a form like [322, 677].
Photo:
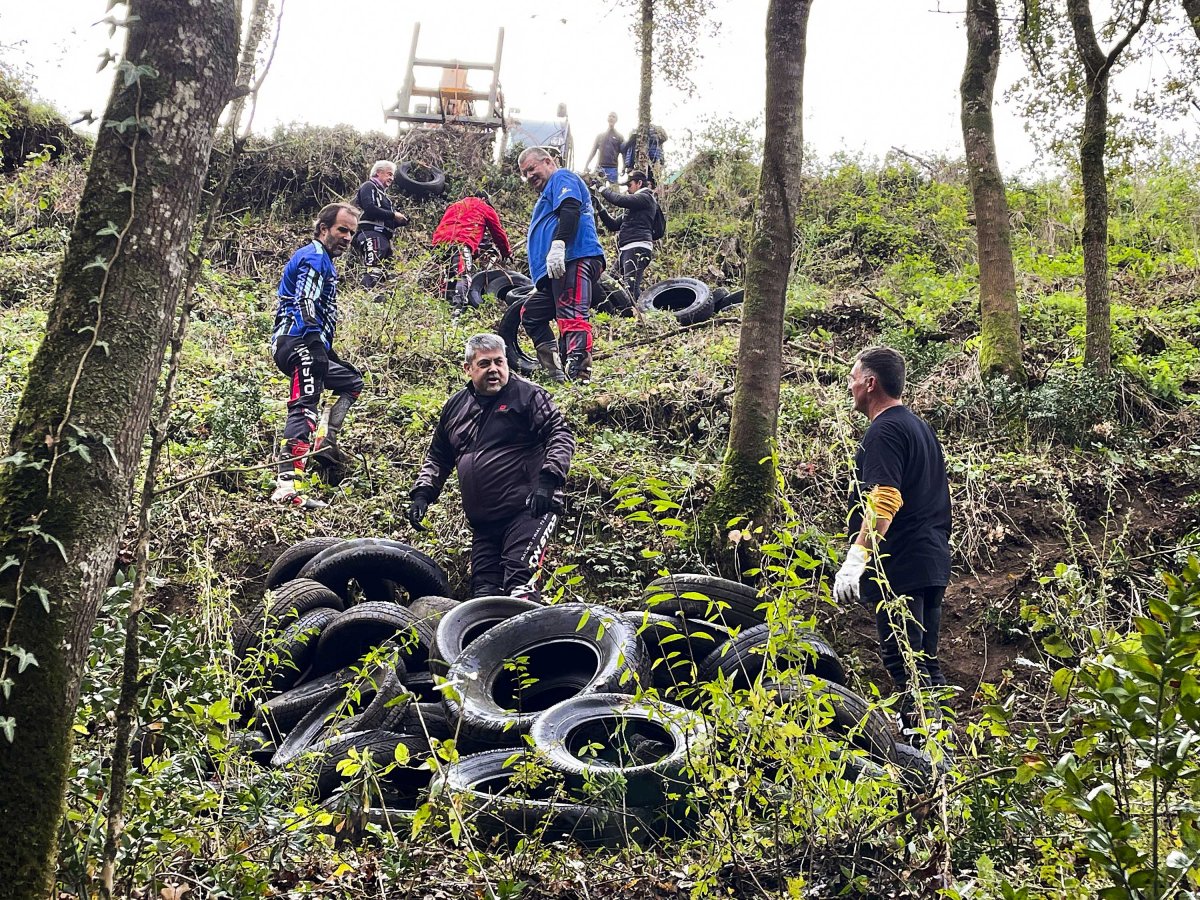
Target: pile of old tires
[361, 655]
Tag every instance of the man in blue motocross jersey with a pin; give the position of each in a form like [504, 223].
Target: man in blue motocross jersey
[565, 263]
[302, 346]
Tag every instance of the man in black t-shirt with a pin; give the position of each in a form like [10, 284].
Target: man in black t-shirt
[900, 519]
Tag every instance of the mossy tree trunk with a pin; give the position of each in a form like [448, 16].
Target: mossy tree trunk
[646, 33]
[748, 477]
[78, 433]
[1097, 66]
[999, 318]
[1192, 8]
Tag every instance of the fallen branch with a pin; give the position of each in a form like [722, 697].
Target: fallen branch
[660, 337]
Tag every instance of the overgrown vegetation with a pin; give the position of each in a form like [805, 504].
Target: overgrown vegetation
[1062, 777]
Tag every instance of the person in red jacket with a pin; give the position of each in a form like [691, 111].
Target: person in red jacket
[467, 225]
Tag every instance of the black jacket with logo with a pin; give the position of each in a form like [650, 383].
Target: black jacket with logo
[377, 209]
[499, 446]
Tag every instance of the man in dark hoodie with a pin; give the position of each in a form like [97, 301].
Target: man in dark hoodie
[378, 222]
[635, 229]
[512, 449]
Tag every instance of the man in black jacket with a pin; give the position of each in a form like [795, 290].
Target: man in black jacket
[512, 449]
[378, 222]
[635, 229]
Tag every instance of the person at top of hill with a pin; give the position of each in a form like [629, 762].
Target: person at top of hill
[467, 225]
[565, 263]
[378, 223]
[899, 560]
[608, 146]
[511, 448]
[629, 150]
[306, 317]
[635, 229]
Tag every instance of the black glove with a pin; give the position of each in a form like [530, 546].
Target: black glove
[541, 498]
[416, 511]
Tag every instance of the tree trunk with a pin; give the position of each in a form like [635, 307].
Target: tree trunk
[647, 52]
[999, 318]
[77, 437]
[1097, 66]
[1192, 8]
[748, 476]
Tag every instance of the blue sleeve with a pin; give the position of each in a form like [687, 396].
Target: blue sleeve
[564, 185]
[309, 284]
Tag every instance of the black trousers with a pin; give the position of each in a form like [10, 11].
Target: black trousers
[506, 556]
[924, 622]
[634, 261]
[374, 247]
[312, 369]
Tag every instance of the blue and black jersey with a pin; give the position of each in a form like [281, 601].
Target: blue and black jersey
[307, 296]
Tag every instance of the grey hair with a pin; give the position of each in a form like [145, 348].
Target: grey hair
[477, 342]
[535, 152]
[382, 164]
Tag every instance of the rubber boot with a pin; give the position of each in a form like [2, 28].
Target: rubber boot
[327, 446]
[579, 367]
[286, 493]
[547, 355]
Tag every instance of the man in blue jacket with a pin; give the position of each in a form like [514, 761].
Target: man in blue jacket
[565, 263]
[302, 346]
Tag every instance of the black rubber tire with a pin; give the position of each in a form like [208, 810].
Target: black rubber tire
[518, 294]
[688, 299]
[730, 603]
[507, 281]
[481, 781]
[649, 742]
[467, 621]
[405, 783]
[368, 560]
[916, 766]
[327, 718]
[423, 687]
[728, 300]
[280, 714]
[675, 646]
[613, 298]
[288, 564]
[369, 625]
[741, 659]
[570, 649]
[411, 178]
[496, 283]
[517, 346]
[255, 744]
[426, 719]
[295, 648]
[853, 718]
[288, 602]
[431, 609]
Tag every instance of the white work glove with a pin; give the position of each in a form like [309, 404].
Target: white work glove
[556, 260]
[845, 584]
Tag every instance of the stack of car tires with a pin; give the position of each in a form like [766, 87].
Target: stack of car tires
[361, 655]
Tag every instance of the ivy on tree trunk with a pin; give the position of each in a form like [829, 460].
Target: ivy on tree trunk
[78, 433]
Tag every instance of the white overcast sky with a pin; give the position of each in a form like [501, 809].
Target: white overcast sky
[880, 73]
